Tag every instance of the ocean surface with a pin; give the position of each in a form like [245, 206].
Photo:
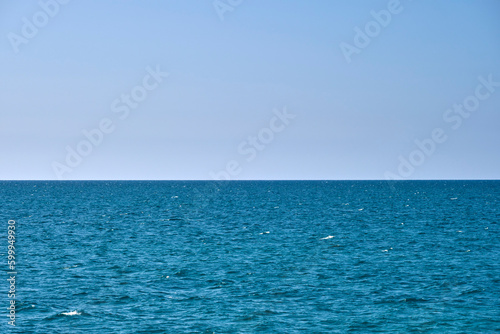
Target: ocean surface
[253, 256]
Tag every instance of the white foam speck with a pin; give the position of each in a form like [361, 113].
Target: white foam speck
[361, 209]
[267, 232]
[70, 267]
[454, 198]
[328, 237]
[71, 313]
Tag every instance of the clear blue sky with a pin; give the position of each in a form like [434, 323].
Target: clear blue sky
[353, 120]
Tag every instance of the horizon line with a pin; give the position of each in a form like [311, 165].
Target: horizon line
[243, 180]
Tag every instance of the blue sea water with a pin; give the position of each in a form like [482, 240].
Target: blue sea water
[253, 256]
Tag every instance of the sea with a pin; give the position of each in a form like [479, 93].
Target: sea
[250, 256]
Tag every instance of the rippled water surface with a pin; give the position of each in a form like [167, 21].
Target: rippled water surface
[253, 257]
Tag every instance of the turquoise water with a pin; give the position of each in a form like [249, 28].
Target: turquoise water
[253, 257]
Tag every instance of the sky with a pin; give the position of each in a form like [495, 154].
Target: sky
[249, 90]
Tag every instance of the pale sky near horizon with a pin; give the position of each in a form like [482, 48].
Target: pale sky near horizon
[69, 68]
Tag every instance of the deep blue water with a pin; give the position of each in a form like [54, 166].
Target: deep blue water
[253, 257]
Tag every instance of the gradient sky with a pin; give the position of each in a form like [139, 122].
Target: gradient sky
[353, 120]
